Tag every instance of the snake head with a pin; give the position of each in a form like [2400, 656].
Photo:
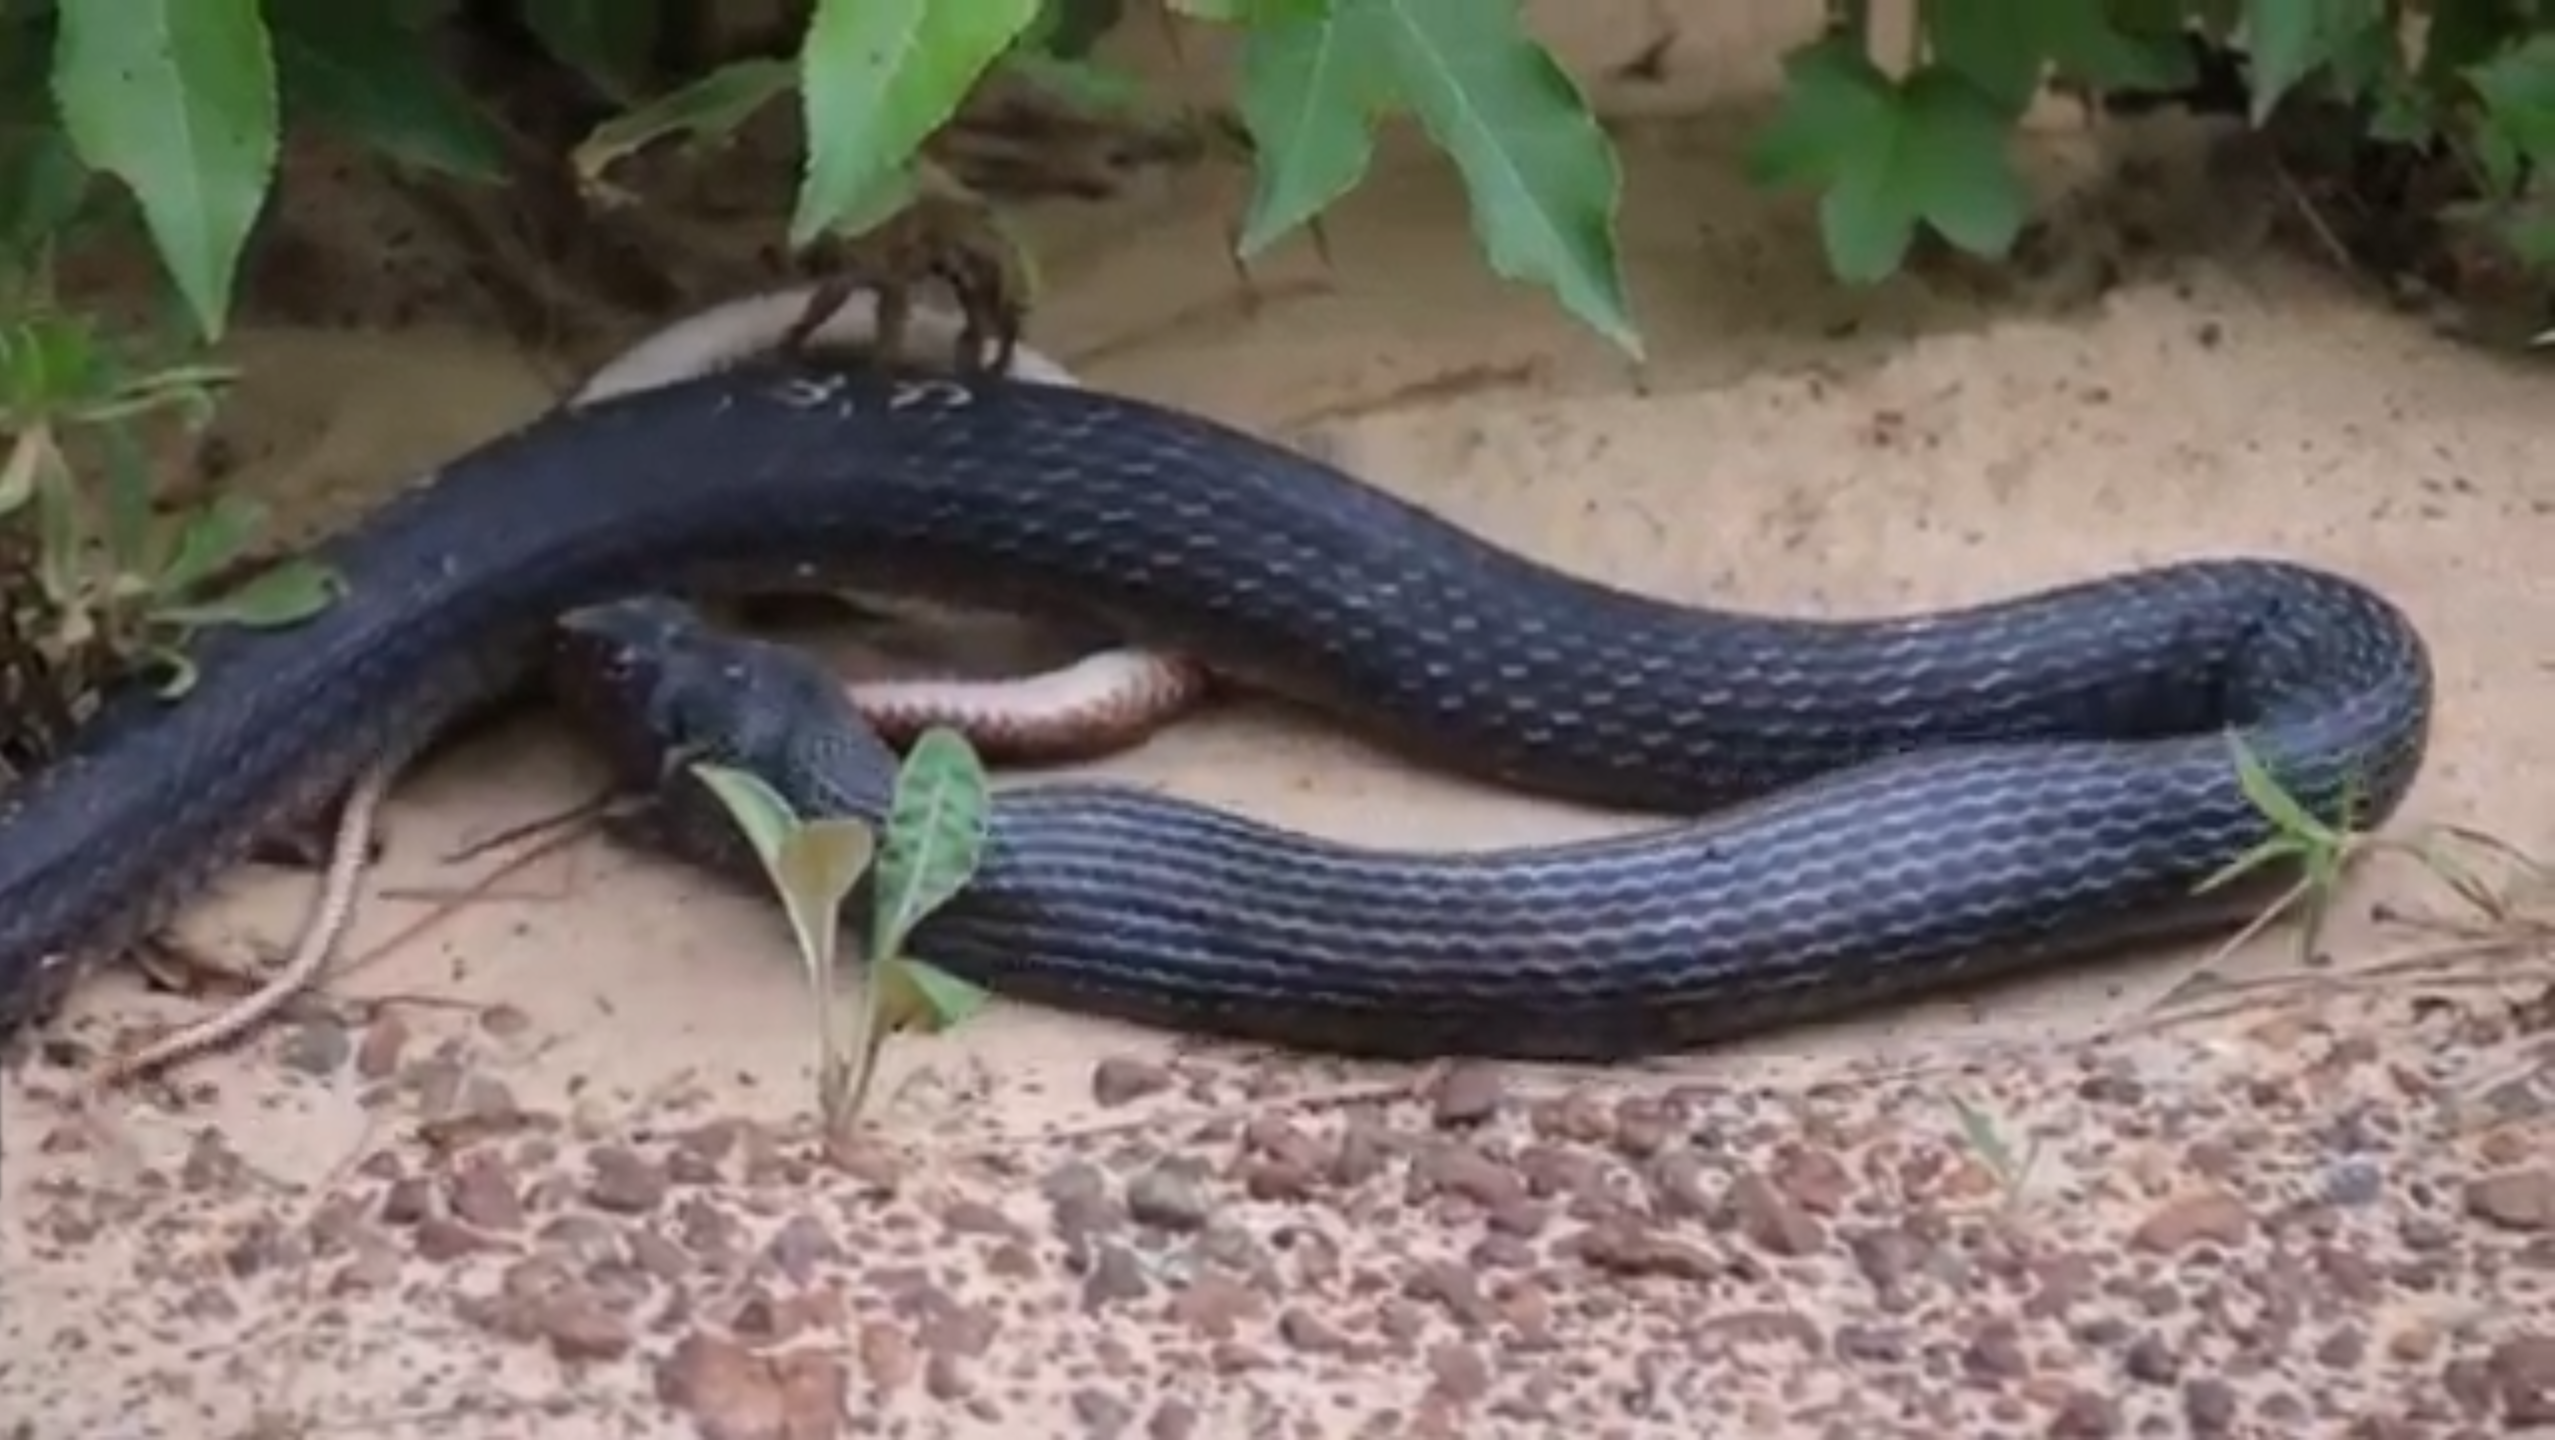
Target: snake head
[617, 670]
[662, 688]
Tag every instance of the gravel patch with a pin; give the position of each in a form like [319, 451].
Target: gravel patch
[2299, 1225]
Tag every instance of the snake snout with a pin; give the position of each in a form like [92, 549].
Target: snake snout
[620, 669]
[658, 685]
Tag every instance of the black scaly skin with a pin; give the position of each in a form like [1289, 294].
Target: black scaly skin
[1902, 876]
[1188, 535]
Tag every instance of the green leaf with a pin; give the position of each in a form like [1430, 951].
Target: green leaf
[177, 98]
[1998, 45]
[1542, 177]
[361, 71]
[1959, 174]
[2275, 803]
[711, 107]
[1932, 150]
[935, 837]
[2290, 39]
[2466, 33]
[760, 812]
[43, 185]
[1251, 12]
[607, 41]
[284, 594]
[819, 863]
[42, 181]
[209, 538]
[1310, 89]
[1068, 29]
[2517, 88]
[915, 996]
[1834, 101]
[50, 364]
[2094, 46]
[1980, 1134]
[876, 78]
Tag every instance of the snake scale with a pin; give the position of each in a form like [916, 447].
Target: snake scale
[1903, 801]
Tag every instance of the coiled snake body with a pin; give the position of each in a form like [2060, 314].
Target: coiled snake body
[1925, 795]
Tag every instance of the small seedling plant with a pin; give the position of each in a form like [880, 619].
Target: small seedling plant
[932, 843]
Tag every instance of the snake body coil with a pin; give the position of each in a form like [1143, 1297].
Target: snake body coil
[2002, 778]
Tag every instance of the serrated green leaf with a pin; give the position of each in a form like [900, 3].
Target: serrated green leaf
[2289, 40]
[2093, 44]
[607, 41]
[2517, 88]
[177, 98]
[1932, 150]
[1542, 177]
[1960, 174]
[935, 837]
[877, 78]
[1998, 45]
[1834, 100]
[1311, 87]
[711, 107]
[360, 71]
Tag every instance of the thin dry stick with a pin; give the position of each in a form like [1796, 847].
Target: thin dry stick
[2324, 234]
[602, 806]
[2437, 966]
[321, 930]
[453, 904]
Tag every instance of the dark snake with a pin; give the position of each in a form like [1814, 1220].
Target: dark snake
[1905, 801]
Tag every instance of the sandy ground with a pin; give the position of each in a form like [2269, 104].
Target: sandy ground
[559, 1130]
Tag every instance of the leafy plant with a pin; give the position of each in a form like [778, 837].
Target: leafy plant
[184, 102]
[935, 837]
[2322, 851]
[122, 583]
